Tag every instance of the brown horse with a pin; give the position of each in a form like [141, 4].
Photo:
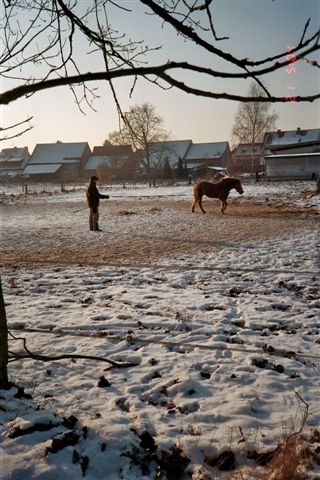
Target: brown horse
[220, 189]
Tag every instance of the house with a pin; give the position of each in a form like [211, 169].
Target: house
[201, 156]
[13, 161]
[292, 141]
[161, 159]
[57, 162]
[293, 166]
[292, 154]
[168, 152]
[246, 158]
[112, 161]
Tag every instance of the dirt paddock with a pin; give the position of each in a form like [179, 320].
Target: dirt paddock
[42, 233]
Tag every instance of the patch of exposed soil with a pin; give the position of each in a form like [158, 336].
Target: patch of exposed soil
[56, 234]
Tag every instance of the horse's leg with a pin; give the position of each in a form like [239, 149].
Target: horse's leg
[194, 202]
[224, 205]
[200, 204]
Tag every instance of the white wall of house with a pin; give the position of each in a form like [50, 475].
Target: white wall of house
[299, 166]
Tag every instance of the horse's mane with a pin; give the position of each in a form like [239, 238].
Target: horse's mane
[223, 181]
[227, 180]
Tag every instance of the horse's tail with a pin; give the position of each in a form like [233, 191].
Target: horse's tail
[196, 191]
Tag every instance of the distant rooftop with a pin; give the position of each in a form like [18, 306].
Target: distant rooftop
[245, 149]
[57, 152]
[290, 137]
[14, 153]
[41, 169]
[206, 150]
[171, 150]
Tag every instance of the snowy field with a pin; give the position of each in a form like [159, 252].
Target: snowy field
[288, 192]
[199, 365]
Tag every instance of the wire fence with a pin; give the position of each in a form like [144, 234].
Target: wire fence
[130, 338]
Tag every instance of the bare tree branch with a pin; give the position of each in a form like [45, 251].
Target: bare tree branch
[14, 135]
[14, 356]
[18, 92]
[2, 129]
[48, 43]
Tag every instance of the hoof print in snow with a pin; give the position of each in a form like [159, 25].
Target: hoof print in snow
[141, 325]
[164, 390]
[263, 363]
[62, 441]
[278, 368]
[191, 391]
[147, 442]
[75, 456]
[83, 461]
[206, 375]
[235, 291]
[70, 422]
[122, 404]
[260, 362]
[21, 394]
[189, 408]
[103, 382]
[239, 323]
[153, 361]
[87, 301]
[173, 463]
[225, 461]
[280, 306]
[268, 348]
[210, 307]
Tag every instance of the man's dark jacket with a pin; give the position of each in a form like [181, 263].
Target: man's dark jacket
[93, 197]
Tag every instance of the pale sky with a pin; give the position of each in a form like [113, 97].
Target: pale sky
[256, 28]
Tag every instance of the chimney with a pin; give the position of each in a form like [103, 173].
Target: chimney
[298, 131]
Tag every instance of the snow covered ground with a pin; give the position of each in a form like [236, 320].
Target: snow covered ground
[288, 192]
[224, 350]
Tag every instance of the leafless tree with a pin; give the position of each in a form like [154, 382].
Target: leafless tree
[46, 35]
[253, 119]
[141, 127]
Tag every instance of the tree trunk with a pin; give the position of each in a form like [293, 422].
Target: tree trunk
[3, 342]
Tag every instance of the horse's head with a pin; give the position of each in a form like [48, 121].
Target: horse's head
[237, 186]
[230, 183]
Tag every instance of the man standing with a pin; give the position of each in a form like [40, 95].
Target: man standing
[93, 197]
